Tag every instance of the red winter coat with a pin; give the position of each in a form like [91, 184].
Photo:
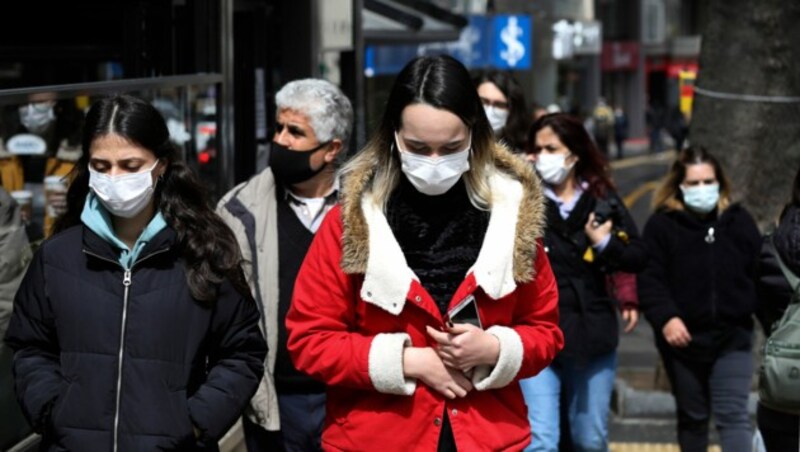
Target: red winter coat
[357, 304]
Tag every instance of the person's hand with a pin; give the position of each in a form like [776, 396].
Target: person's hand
[424, 364]
[464, 346]
[676, 333]
[631, 318]
[595, 231]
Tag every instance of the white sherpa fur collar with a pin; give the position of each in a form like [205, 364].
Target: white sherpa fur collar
[506, 256]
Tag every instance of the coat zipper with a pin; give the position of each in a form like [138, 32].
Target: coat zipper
[126, 283]
[710, 239]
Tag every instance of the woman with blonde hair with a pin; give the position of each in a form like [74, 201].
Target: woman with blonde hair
[698, 293]
[427, 295]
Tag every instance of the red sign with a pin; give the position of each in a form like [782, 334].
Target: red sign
[620, 56]
[674, 68]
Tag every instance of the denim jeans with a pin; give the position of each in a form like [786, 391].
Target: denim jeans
[587, 387]
[302, 419]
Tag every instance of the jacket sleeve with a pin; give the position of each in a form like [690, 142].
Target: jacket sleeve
[628, 256]
[236, 354]
[655, 296]
[320, 321]
[33, 337]
[531, 343]
[772, 288]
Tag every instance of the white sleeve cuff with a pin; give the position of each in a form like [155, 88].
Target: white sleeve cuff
[386, 364]
[508, 363]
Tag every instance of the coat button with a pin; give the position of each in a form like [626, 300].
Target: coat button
[369, 294]
[418, 299]
[437, 422]
[454, 412]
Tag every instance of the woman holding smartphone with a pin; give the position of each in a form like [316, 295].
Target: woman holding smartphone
[432, 213]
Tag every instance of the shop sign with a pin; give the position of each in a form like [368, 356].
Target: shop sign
[26, 144]
[572, 38]
[501, 42]
[620, 56]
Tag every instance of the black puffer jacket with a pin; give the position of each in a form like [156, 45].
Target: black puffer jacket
[587, 314]
[774, 294]
[773, 289]
[701, 270]
[105, 359]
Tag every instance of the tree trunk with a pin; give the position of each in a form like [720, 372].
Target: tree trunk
[751, 48]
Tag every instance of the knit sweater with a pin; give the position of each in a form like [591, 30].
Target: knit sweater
[440, 235]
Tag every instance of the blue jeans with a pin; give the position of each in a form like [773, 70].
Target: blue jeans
[586, 390]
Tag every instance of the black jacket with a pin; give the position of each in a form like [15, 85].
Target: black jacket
[774, 294]
[101, 356]
[701, 270]
[587, 314]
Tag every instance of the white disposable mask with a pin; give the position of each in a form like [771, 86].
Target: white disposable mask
[497, 117]
[37, 116]
[552, 169]
[433, 175]
[125, 195]
[701, 198]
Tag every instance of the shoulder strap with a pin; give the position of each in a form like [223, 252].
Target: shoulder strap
[793, 280]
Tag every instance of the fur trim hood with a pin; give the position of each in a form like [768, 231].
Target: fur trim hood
[507, 254]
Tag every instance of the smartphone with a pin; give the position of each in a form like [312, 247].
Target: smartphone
[466, 311]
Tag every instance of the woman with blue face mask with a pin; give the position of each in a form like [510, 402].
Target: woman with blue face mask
[698, 293]
[133, 328]
[427, 294]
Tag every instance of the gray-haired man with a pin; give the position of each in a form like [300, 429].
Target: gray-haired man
[274, 216]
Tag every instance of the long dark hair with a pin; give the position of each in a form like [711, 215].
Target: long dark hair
[205, 242]
[591, 166]
[515, 132]
[669, 196]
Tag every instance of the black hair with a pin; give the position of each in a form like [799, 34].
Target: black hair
[205, 243]
[515, 132]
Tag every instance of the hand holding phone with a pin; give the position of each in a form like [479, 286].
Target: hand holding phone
[466, 311]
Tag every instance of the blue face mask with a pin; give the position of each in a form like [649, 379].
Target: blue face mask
[701, 198]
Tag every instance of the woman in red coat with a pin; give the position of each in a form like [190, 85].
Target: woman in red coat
[434, 214]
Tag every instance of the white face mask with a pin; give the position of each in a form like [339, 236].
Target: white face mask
[551, 168]
[433, 175]
[701, 198]
[36, 116]
[497, 117]
[125, 195]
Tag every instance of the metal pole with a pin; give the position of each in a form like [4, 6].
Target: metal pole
[225, 99]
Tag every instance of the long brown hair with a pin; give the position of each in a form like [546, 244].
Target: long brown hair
[669, 196]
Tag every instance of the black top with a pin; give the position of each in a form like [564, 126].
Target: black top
[774, 294]
[440, 236]
[294, 239]
[77, 315]
[701, 269]
[587, 314]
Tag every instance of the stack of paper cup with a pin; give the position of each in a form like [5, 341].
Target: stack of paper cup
[24, 199]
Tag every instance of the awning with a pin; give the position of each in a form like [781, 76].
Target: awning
[409, 21]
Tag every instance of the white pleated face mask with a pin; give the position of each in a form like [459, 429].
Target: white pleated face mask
[497, 117]
[552, 168]
[433, 175]
[125, 195]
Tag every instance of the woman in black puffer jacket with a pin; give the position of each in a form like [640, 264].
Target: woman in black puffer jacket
[133, 328]
[779, 430]
[698, 293]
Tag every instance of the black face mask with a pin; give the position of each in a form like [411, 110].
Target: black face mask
[292, 167]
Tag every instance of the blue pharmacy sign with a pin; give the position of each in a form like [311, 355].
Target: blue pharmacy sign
[511, 42]
[500, 42]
